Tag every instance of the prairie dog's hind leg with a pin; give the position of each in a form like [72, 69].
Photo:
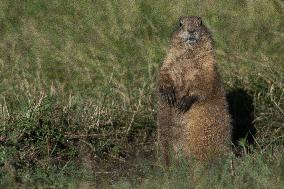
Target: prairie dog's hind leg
[164, 122]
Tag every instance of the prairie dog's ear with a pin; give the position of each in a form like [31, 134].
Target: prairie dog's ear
[182, 20]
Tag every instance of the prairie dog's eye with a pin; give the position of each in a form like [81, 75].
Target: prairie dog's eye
[180, 24]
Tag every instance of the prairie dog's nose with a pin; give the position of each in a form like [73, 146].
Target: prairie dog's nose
[190, 30]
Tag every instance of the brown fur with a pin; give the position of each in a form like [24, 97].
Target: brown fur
[193, 116]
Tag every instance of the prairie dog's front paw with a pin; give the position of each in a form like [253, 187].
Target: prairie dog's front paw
[185, 103]
[168, 94]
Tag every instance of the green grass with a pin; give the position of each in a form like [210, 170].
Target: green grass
[77, 91]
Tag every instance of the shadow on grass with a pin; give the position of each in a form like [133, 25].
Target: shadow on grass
[242, 111]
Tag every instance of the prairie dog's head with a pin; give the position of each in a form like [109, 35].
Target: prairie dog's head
[190, 33]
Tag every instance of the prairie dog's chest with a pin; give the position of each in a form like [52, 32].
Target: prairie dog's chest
[191, 74]
[186, 74]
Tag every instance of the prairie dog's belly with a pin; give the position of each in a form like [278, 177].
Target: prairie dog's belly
[202, 128]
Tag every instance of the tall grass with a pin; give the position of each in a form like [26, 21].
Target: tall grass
[77, 89]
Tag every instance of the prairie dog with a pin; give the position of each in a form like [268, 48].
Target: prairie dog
[193, 113]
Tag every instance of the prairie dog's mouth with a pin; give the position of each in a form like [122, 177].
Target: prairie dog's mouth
[191, 39]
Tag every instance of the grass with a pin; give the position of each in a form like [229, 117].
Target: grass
[77, 92]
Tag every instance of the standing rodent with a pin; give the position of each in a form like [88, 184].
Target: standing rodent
[193, 113]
